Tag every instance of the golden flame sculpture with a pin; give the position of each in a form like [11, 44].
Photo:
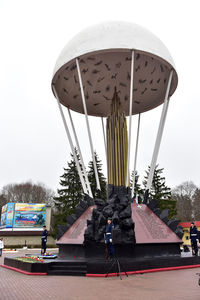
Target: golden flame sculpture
[117, 143]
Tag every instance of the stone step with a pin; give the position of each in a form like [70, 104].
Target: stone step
[71, 267]
[68, 263]
[67, 272]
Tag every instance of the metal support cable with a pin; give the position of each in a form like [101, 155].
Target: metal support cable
[71, 144]
[159, 134]
[80, 153]
[130, 118]
[88, 126]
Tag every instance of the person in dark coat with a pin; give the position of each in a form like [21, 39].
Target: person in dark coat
[44, 240]
[194, 237]
[108, 238]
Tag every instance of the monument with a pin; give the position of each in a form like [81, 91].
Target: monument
[113, 71]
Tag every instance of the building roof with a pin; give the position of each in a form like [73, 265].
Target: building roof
[188, 224]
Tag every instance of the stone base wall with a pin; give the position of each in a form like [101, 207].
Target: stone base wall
[29, 241]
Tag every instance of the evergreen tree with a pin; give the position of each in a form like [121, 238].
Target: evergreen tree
[137, 189]
[70, 194]
[92, 179]
[160, 191]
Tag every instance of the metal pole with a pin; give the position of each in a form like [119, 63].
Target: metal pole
[136, 151]
[71, 143]
[87, 123]
[80, 153]
[159, 134]
[130, 118]
[104, 137]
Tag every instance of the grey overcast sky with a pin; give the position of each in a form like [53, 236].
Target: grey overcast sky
[33, 33]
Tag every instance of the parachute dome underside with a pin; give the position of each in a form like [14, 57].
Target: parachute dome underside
[104, 54]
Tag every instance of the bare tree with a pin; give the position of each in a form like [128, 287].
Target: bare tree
[184, 207]
[183, 194]
[187, 188]
[28, 192]
[196, 205]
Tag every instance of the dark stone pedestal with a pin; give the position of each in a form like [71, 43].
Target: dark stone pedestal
[71, 251]
[143, 237]
[97, 251]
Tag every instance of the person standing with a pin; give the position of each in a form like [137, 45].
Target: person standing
[1, 246]
[108, 237]
[194, 237]
[44, 240]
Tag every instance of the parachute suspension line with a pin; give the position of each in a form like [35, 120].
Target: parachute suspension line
[130, 119]
[71, 144]
[135, 160]
[88, 126]
[81, 157]
[159, 134]
[104, 137]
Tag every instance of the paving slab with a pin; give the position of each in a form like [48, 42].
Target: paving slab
[181, 284]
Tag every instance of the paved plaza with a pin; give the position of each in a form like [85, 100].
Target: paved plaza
[181, 284]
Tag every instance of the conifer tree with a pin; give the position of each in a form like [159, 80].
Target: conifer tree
[92, 179]
[70, 193]
[160, 191]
